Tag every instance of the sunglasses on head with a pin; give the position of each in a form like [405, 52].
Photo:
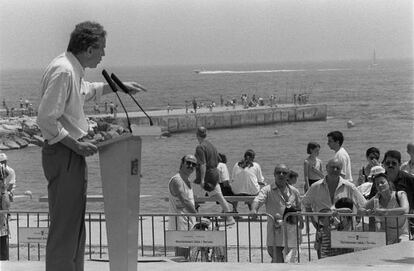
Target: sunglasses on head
[190, 164]
[391, 163]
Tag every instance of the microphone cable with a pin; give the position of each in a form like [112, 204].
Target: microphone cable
[125, 89]
[114, 89]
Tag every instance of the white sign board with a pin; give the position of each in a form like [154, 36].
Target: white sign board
[33, 235]
[195, 238]
[351, 239]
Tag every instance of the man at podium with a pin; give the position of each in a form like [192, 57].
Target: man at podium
[63, 124]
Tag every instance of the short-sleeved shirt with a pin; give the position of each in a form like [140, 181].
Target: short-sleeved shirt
[318, 198]
[223, 172]
[343, 156]
[207, 154]
[271, 196]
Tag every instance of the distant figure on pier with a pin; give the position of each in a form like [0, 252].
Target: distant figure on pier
[4, 102]
[195, 105]
[168, 108]
[186, 106]
[26, 103]
[111, 107]
[106, 107]
[96, 108]
[221, 100]
[21, 102]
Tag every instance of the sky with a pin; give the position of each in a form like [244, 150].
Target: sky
[196, 32]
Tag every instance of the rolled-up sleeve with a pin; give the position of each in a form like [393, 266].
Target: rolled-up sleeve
[94, 91]
[52, 106]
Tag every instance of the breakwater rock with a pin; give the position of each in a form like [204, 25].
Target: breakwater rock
[20, 132]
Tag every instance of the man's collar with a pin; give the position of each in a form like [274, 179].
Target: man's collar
[340, 182]
[76, 64]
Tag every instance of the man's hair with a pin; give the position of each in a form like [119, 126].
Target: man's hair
[222, 158]
[84, 35]
[337, 136]
[312, 146]
[393, 154]
[372, 150]
[293, 174]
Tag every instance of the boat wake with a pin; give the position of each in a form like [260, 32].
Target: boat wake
[265, 71]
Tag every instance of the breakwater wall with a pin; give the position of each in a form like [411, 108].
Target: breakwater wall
[232, 118]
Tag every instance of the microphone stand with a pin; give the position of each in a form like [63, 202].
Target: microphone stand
[125, 89]
[114, 89]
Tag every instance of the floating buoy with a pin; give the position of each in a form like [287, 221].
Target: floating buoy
[276, 132]
[350, 124]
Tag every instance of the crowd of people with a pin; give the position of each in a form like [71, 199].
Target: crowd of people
[389, 184]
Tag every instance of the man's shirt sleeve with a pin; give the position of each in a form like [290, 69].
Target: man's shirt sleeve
[52, 106]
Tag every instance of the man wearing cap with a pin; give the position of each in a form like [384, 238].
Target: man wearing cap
[207, 174]
[10, 180]
[324, 193]
[335, 141]
[401, 180]
[181, 199]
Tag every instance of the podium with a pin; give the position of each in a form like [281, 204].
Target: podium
[120, 163]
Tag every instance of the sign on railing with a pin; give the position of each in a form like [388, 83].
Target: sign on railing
[33, 235]
[351, 239]
[195, 238]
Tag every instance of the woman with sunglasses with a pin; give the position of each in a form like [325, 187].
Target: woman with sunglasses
[372, 155]
[390, 203]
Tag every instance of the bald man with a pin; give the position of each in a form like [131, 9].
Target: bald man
[324, 193]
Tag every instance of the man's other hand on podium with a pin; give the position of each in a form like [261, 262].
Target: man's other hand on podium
[86, 149]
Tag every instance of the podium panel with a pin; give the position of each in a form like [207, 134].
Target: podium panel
[120, 163]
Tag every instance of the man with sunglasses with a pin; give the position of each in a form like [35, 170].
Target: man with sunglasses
[277, 197]
[181, 200]
[402, 180]
[324, 193]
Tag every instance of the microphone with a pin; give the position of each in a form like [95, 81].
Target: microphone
[125, 89]
[114, 89]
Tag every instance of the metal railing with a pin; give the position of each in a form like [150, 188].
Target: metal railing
[244, 241]
[308, 224]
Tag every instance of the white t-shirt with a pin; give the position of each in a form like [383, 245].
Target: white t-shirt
[246, 180]
[343, 156]
[223, 172]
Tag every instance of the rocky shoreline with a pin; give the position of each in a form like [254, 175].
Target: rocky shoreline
[20, 132]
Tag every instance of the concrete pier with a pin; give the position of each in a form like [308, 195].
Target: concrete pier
[178, 120]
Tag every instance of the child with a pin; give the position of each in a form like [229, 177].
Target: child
[293, 177]
[327, 224]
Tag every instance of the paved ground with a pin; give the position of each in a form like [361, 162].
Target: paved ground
[394, 257]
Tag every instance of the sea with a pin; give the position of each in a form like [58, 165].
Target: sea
[378, 100]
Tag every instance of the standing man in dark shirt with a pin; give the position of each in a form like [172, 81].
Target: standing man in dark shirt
[401, 180]
[207, 174]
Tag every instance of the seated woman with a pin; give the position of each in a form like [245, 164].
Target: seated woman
[391, 203]
[246, 177]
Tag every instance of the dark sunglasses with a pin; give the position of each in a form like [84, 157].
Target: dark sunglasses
[391, 163]
[282, 172]
[190, 164]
